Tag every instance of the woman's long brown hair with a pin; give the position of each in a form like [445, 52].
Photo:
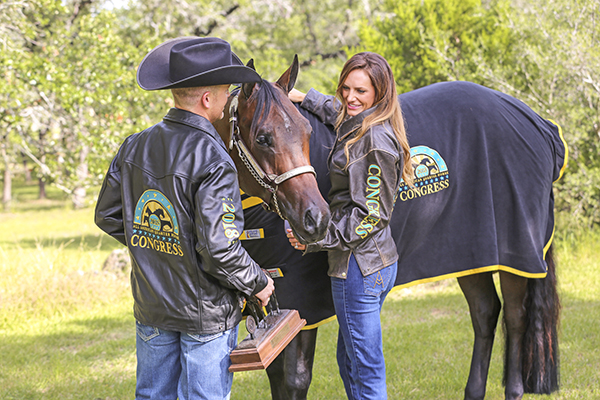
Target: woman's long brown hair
[386, 103]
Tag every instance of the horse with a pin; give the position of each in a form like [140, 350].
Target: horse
[268, 140]
[261, 123]
[430, 219]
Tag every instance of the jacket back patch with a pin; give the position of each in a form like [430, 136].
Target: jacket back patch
[155, 224]
[430, 174]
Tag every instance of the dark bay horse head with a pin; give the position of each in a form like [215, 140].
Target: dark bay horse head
[269, 143]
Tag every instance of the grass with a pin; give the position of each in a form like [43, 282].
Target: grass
[67, 330]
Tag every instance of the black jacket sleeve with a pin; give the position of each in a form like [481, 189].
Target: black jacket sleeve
[219, 223]
[109, 208]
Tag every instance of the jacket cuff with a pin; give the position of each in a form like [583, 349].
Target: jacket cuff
[261, 282]
[313, 248]
[311, 100]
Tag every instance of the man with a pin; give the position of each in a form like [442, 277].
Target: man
[171, 196]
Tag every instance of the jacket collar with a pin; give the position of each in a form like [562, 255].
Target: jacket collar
[351, 124]
[196, 121]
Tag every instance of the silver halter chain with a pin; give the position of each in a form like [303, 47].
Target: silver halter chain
[269, 182]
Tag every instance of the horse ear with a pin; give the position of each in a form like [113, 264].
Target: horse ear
[288, 79]
[247, 88]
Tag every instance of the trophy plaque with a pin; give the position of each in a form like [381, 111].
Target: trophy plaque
[268, 334]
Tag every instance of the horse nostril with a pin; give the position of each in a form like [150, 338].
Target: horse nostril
[310, 225]
[316, 221]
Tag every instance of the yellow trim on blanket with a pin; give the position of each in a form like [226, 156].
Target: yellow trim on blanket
[560, 133]
[318, 324]
[547, 246]
[562, 171]
[250, 201]
[490, 268]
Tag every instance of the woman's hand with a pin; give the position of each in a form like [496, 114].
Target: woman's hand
[296, 96]
[294, 242]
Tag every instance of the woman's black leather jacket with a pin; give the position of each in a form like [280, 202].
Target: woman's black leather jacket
[363, 191]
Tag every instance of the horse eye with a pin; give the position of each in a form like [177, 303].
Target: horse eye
[264, 140]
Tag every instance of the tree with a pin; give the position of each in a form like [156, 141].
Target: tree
[428, 41]
[558, 73]
[269, 31]
[14, 33]
[83, 77]
[545, 54]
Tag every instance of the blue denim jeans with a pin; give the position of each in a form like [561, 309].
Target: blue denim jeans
[358, 302]
[173, 365]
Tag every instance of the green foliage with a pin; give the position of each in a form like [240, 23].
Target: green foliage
[85, 76]
[545, 54]
[427, 41]
[271, 32]
[560, 77]
[14, 33]
[68, 95]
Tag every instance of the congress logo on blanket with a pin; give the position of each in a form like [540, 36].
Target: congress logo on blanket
[431, 174]
[155, 224]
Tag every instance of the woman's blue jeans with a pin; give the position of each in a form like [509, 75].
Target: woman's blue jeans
[358, 302]
[173, 365]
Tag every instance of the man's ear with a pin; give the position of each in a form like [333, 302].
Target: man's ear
[205, 99]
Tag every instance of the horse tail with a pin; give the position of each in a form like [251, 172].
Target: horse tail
[539, 351]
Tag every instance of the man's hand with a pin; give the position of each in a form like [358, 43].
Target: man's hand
[266, 293]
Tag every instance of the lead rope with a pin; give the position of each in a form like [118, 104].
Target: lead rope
[249, 165]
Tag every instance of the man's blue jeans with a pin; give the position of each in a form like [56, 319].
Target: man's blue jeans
[358, 302]
[173, 365]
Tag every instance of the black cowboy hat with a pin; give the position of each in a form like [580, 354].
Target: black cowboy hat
[191, 62]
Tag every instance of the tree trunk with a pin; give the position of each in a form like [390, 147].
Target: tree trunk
[81, 172]
[26, 169]
[7, 188]
[42, 187]
[41, 182]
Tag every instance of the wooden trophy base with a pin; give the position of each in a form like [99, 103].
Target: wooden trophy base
[259, 350]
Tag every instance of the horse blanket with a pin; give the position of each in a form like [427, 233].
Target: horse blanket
[482, 198]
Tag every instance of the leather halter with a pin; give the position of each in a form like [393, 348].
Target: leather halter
[270, 182]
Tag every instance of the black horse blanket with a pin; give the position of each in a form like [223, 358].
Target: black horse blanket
[484, 167]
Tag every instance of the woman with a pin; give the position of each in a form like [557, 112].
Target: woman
[369, 159]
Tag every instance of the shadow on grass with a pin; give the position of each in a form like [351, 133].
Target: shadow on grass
[428, 346]
[427, 342]
[98, 241]
[80, 359]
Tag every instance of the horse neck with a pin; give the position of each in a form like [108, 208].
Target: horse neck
[247, 183]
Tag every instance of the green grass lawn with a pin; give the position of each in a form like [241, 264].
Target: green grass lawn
[67, 330]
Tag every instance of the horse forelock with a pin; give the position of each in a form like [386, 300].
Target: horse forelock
[266, 98]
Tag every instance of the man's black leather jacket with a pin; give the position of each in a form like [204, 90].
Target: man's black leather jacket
[171, 196]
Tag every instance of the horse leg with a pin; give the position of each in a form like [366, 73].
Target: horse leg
[513, 289]
[291, 372]
[484, 306]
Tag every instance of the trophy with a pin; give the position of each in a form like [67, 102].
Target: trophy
[268, 334]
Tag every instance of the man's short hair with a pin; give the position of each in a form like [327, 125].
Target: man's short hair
[188, 97]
